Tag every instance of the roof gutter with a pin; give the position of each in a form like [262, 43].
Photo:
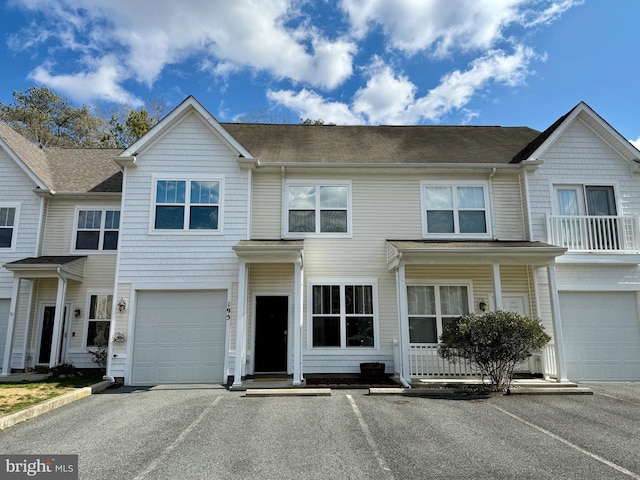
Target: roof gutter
[126, 161]
[333, 165]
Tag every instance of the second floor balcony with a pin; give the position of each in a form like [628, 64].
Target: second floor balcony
[594, 234]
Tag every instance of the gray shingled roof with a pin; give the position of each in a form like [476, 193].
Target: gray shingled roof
[33, 157]
[81, 170]
[70, 170]
[382, 144]
[48, 260]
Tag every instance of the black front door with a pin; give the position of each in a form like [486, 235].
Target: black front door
[272, 320]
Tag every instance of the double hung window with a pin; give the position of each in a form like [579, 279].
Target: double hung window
[455, 209]
[343, 315]
[99, 320]
[97, 230]
[432, 307]
[317, 208]
[187, 205]
[7, 226]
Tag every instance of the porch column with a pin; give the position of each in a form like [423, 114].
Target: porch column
[405, 368]
[557, 323]
[56, 344]
[13, 310]
[298, 320]
[497, 287]
[241, 325]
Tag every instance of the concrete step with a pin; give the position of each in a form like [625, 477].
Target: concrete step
[287, 392]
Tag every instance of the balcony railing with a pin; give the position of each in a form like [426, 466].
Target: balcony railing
[583, 233]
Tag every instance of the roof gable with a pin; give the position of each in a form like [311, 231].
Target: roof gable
[31, 159]
[189, 105]
[582, 112]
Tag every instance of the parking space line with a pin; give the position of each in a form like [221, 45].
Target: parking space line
[572, 445]
[372, 443]
[152, 466]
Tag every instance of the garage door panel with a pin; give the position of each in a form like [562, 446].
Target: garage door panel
[602, 335]
[179, 337]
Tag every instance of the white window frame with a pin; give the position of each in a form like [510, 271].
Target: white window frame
[581, 189]
[14, 234]
[87, 320]
[437, 284]
[317, 184]
[342, 282]
[103, 210]
[185, 228]
[456, 220]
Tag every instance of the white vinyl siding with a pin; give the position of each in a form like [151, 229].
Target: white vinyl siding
[189, 150]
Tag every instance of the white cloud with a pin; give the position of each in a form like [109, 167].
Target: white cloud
[309, 104]
[444, 26]
[146, 38]
[389, 98]
[636, 143]
[101, 83]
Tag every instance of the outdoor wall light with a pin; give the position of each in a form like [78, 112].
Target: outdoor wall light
[77, 312]
[122, 305]
[482, 305]
[119, 337]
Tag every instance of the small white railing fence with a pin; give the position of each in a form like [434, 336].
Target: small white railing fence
[424, 361]
[549, 362]
[583, 233]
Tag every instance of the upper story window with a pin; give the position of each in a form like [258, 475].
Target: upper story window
[7, 226]
[460, 209]
[187, 205]
[343, 315]
[594, 200]
[97, 230]
[318, 209]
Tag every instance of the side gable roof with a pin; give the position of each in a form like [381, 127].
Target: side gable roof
[190, 104]
[29, 158]
[330, 144]
[84, 170]
[584, 112]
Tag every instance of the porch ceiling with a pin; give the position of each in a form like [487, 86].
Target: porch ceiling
[69, 266]
[470, 252]
[270, 251]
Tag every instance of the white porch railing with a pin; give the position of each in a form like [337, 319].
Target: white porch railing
[424, 361]
[583, 233]
[549, 361]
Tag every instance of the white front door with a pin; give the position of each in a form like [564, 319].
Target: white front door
[519, 303]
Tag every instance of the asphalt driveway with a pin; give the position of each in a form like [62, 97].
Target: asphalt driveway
[185, 432]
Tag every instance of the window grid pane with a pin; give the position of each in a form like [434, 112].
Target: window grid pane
[7, 216]
[206, 193]
[317, 208]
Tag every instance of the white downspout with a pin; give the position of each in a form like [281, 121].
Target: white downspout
[298, 375]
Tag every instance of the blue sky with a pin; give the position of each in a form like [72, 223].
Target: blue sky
[452, 62]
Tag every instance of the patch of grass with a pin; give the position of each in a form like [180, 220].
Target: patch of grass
[17, 396]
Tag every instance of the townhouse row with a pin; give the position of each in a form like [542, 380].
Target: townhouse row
[208, 252]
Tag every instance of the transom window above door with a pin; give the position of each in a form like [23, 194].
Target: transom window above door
[455, 210]
[191, 205]
[321, 209]
[97, 229]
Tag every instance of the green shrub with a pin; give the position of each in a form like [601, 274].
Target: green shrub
[495, 342]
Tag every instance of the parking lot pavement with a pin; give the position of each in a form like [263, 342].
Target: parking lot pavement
[184, 432]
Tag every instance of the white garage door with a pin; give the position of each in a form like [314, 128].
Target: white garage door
[179, 337]
[601, 335]
[4, 321]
